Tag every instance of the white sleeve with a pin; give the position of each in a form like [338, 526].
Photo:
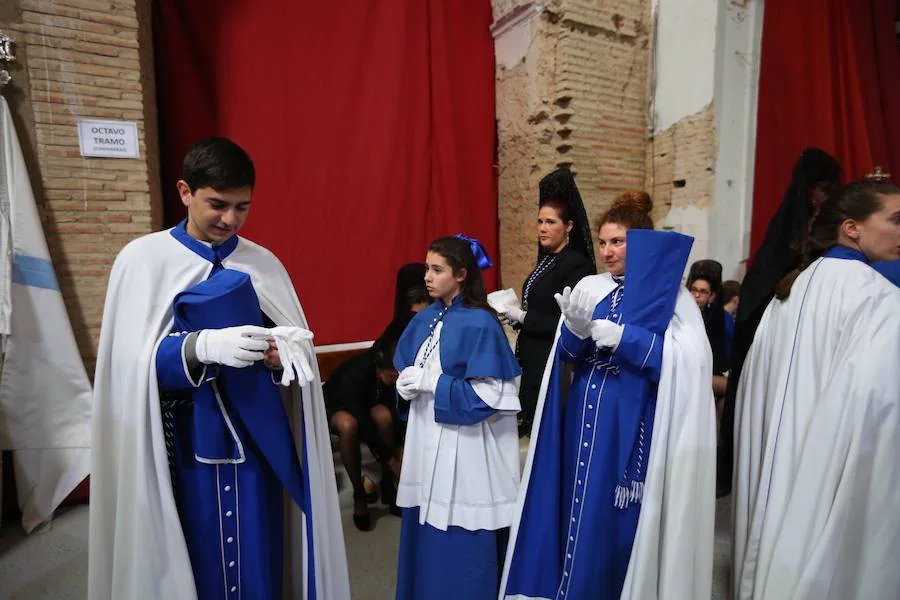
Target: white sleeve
[499, 394]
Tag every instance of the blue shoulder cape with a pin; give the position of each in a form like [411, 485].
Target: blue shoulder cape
[472, 342]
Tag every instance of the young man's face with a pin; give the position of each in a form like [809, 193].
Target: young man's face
[215, 216]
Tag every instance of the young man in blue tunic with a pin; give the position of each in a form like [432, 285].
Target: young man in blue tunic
[460, 471]
[617, 498]
[212, 473]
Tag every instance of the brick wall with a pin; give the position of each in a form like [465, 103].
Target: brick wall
[681, 177]
[85, 59]
[576, 94]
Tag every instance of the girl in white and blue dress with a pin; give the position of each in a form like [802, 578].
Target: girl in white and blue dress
[460, 472]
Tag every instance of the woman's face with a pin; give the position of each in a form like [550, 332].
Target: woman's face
[878, 237]
[440, 281]
[552, 232]
[701, 290]
[612, 247]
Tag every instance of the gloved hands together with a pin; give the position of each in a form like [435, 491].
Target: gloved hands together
[577, 308]
[237, 347]
[606, 334]
[513, 315]
[412, 380]
[242, 346]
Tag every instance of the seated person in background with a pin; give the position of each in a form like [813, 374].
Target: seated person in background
[704, 282]
[731, 296]
[729, 299]
[359, 397]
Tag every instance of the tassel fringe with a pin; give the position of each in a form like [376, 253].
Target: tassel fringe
[626, 495]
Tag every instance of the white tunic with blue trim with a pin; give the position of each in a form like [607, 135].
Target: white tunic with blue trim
[817, 440]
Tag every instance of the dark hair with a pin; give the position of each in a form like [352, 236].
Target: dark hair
[410, 288]
[218, 163]
[417, 295]
[709, 271]
[384, 347]
[730, 289]
[559, 205]
[458, 255]
[631, 209]
[857, 200]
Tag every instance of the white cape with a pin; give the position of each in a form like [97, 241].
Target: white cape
[672, 555]
[137, 549]
[45, 394]
[817, 466]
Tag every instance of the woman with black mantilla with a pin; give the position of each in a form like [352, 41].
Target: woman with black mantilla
[565, 256]
[814, 173]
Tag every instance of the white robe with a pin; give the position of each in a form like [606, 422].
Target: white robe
[817, 466]
[672, 554]
[462, 475]
[45, 394]
[137, 549]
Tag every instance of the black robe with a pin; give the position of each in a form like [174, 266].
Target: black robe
[537, 333]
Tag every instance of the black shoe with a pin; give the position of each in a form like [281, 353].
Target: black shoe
[388, 489]
[363, 522]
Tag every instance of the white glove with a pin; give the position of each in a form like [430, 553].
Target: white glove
[606, 334]
[233, 346]
[513, 315]
[412, 381]
[293, 344]
[408, 382]
[578, 309]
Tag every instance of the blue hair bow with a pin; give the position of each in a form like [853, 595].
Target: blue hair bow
[481, 255]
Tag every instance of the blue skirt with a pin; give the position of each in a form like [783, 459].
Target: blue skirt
[448, 565]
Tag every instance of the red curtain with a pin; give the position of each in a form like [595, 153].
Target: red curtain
[371, 125]
[830, 77]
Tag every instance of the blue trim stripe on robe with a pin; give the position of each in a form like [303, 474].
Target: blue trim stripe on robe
[456, 563]
[891, 270]
[232, 447]
[583, 500]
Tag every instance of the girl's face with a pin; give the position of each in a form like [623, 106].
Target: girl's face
[612, 247]
[552, 232]
[440, 281]
[878, 237]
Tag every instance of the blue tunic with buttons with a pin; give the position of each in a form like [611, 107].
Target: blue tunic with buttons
[228, 439]
[583, 501]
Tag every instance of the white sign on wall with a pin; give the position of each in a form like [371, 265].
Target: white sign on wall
[111, 139]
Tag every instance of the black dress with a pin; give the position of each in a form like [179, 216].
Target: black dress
[714, 321]
[550, 276]
[354, 387]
